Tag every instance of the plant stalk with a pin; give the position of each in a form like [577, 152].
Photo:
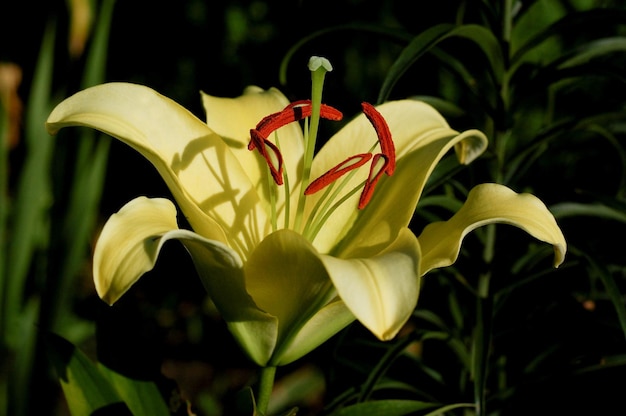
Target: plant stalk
[266, 384]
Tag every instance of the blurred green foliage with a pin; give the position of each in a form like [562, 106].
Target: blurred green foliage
[500, 331]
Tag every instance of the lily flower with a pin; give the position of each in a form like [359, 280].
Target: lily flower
[291, 246]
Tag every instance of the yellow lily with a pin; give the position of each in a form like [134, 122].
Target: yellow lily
[290, 265]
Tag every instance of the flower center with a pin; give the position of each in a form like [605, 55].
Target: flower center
[381, 162]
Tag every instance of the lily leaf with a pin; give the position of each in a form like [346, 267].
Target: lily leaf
[612, 289]
[426, 40]
[569, 22]
[141, 396]
[395, 408]
[89, 387]
[591, 50]
[574, 209]
[86, 389]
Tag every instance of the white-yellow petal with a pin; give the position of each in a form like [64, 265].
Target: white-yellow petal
[222, 273]
[208, 182]
[421, 137]
[486, 204]
[232, 118]
[326, 322]
[382, 290]
[395, 198]
[129, 245]
[287, 279]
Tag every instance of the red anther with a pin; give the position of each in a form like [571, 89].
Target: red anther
[275, 121]
[326, 112]
[351, 163]
[258, 142]
[330, 113]
[372, 179]
[384, 136]
[295, 111]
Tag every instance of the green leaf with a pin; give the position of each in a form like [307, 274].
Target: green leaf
[612, 289]
[386, 407]
[595, 209]
[591, 50]
[567, 23]
[395, 408]
[525, 155]
[96, 64]
[533, 34]
[447, 408]
[81, 209]
[431, 37]
[85, 388]
[142, 397]
[89, 387]
[29, 213]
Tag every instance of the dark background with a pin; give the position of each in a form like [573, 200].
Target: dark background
[165, 324]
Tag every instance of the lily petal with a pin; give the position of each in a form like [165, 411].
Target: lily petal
[208, 182]
[223, 276]
[396, 197]
[232, 118]
[486, 204]
[421, 138]
[287, 279]
[130, 243]
[382, 290]
[328, 321]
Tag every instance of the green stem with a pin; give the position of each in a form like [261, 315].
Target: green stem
[482, 331]
[266, 384]
[4, 213]
[507, 24]
[383, 365]
[507, 29]
[480, 351]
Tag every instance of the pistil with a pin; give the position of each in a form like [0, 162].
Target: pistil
[318, 67]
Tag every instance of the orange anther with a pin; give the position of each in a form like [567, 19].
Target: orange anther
[372, 179]
[295, 111]
[259, 142]
[384, 136]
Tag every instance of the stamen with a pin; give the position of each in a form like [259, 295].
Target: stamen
[326, 111]
[334, 196]
[384, 136]
[351, 163]
[257, 141]
[372, 179]
[387, 156]
[295, 111]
